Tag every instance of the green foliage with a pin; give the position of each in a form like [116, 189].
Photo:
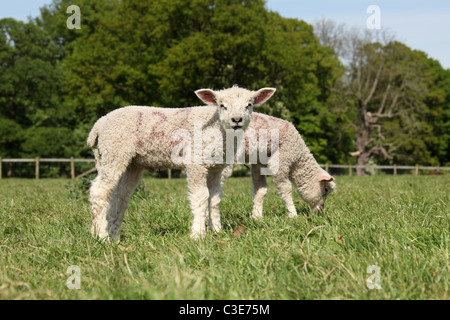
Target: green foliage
[31, 78]
[159, 53]
[11, 135]
[421, 132]
[303, 71]
[47, 142]
[391, 100]
[438, 117]
[55, 82]
[32, 113]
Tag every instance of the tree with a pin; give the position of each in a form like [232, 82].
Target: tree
[159, 53]
[30, 78]
[437, 139]
[383, 92]
[304, 71]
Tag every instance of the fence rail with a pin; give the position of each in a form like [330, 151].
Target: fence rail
[39, 160]
[326, 166]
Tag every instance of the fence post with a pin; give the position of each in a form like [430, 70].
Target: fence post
[326, 167]
[417, 170]
[1, 168]
[37, 168]
[395, 169]
[169, 173]
[350, 170]
[72, 168]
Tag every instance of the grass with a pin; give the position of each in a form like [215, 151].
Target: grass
[400, 224]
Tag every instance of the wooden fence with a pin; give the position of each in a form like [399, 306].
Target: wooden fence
[350, 167]
[39, 160]
[372, 168]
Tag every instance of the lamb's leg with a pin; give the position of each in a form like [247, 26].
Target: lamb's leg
[101, 190]
[259, 191]
[285, 189]
[226, 173]
[214, 181]
[198, 196]
[119, 200]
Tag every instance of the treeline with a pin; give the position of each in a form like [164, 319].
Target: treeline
[386, 103]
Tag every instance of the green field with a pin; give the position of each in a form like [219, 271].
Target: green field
[399, 224]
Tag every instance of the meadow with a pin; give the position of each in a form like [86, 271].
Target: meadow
[398, 224]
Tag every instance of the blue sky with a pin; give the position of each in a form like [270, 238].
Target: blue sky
[420, 24]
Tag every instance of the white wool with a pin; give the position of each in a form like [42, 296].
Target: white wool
[128, 140]
[296, 165]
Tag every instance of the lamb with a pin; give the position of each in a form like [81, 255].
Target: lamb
[296, 164]
[128, 140]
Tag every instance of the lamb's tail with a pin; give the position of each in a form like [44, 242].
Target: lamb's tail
[93, 136]
[92, 141]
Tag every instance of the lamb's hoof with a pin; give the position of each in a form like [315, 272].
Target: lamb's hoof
[196, 236]
[292, 215]
[100, 235]
[216, 229]
[257, 216]
[114, 235]
[102, 238]
[115, 238]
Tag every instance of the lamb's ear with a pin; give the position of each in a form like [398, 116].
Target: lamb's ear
[262, 95]
[325, 177]
[207, 96]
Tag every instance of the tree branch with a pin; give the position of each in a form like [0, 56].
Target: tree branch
[379, 149]
[375, 84]
[386, 93]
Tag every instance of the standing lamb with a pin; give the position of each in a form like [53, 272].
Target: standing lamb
[128, 140]
[295, 164]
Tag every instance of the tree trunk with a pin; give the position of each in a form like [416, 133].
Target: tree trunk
[363, 160]
[362, 143]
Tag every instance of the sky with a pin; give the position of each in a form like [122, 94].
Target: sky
[420, 24]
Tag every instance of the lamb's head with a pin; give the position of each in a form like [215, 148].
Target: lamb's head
[316, 190]
[235, 105]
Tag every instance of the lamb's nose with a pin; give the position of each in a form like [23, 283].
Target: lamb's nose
[236, 120]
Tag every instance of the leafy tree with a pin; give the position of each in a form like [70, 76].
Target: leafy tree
[304, 71]
[30, 77]
[342, 89]
[384, 94]
[159, 53]
[11, 136]
[30, 80]
[47, 142]
[437, 138]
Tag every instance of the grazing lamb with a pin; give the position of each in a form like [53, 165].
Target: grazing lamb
[295, 164]
[128, 140]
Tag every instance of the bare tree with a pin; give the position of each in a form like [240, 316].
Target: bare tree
[380, 79]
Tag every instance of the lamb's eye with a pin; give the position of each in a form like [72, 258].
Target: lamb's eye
[222, 106]
[326, 190]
